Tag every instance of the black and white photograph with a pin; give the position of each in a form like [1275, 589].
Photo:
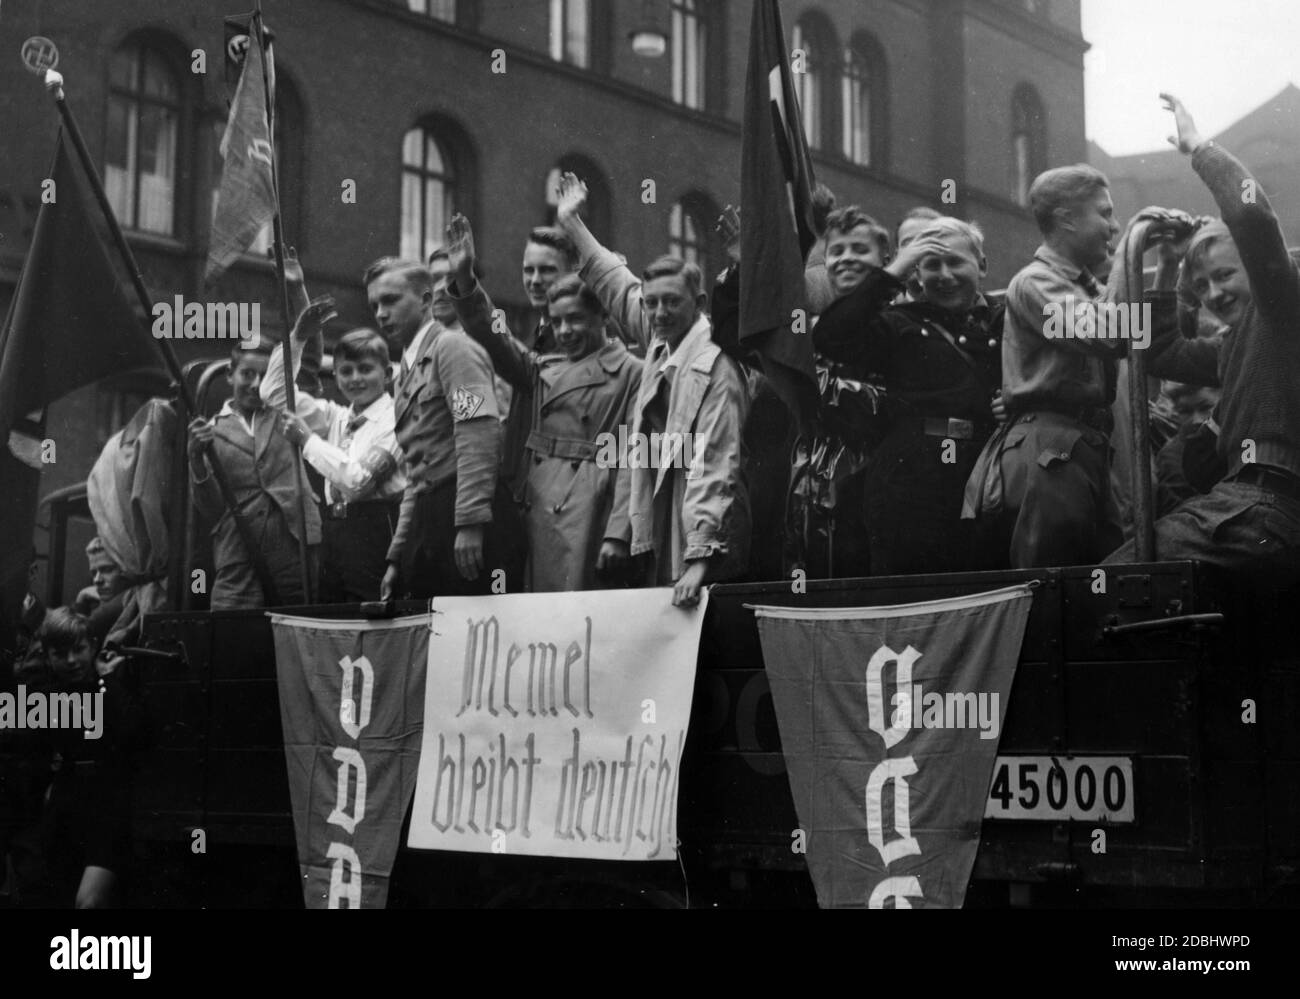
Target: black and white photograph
[739, 455]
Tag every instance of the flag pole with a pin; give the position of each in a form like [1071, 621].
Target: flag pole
[54, 84]
[290, 402]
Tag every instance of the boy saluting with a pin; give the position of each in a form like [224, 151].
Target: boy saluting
[576, 508]
[1240, 270]
[354, 447]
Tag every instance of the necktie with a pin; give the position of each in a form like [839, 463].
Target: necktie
[1089, 283]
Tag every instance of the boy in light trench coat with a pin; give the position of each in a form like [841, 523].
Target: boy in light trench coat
[575, 503]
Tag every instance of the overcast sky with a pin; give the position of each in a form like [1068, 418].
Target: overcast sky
[1222, 57]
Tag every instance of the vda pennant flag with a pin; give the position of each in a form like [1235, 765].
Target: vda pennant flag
[351, 704]
[889, 721]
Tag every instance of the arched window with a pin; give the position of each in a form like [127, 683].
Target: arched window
[690, 233]
[863, 102]
[1028, 141]
[596, 214]
[429, 179]
[144, 125]
[439, 10]
[571, 32]
[813, 66]
[690, 53]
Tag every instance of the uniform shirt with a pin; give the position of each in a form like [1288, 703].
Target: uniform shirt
[1042, 372]
[358, 453]
[925, 375]
[447, 427]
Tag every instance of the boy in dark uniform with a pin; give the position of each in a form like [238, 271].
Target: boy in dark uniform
[940, 361]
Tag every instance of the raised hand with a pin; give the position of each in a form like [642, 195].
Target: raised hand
[1188, 137]
[312, 319]
[460, 250]
[292, 267]
[728, 228]
[911, 255]
[572, 197]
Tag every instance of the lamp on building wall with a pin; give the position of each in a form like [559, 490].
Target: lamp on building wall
[649, 38]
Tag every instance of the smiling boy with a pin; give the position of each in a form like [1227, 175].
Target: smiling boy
[692, 523]
[575, 508]
[259, 463]
[939, 358]
[1240, 270]
[355, 448]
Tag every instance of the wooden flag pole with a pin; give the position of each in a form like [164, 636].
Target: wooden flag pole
[54, 83]
[290, 402]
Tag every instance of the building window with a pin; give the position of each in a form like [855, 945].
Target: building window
[439, 10]
[862, 103]
[571, 32]
[690, 51]
[144, 114]
[428, 193]
[690, 236]
[814, 47]
[1028, 141]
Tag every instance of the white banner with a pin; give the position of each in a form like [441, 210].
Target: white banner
[554, 724]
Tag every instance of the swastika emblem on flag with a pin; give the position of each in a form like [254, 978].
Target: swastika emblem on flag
[39, 54]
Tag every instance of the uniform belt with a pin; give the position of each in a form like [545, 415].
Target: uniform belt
[1097, 417]
[1273, 479]
[952, 426]
[561, 447]
[342, 510]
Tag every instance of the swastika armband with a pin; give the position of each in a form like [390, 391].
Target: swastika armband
[465, 404]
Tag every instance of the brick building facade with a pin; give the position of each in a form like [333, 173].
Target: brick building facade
[400, 98]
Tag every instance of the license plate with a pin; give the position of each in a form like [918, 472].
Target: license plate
[1062, 788]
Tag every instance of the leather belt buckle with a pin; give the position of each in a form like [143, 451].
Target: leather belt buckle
[939, 426]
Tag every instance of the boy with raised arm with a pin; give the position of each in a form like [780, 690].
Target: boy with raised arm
[354, 447]
[693, 520]
[575, 500]
[1239, 269]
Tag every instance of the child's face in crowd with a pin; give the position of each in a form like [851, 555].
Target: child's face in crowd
[1091, 241]
[398, 308]
[1220, 282]
[848, 257]
[72, 665]
[543, 266]
[246, 380]
[951, 280]
[361, 381]
[670, 307]
[578, 331]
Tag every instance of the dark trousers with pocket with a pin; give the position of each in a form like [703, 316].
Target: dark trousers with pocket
[354, 551]
[1056, 503]
[429, 562]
